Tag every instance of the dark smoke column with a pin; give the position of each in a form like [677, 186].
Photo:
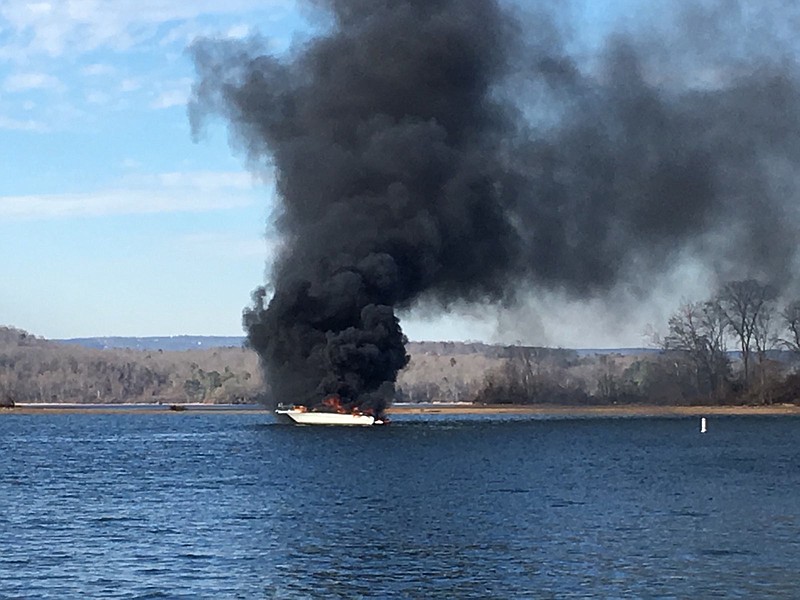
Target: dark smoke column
[428, 149]
[386, 142]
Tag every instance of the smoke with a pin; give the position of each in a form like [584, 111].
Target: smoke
[458, 150]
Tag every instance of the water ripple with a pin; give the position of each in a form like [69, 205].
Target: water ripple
[227, 506]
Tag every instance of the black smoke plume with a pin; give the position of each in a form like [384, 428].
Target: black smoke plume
[454, 150]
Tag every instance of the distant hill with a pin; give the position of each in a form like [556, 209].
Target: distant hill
[199, 342]
[167, 343]
[620, 351]
[219, 369]
[119, 370]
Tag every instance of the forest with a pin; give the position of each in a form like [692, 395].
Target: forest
[34, 370]
[739, 346]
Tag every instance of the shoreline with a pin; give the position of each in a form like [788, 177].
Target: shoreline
[620, 410]
[545, 410]
[132, 409]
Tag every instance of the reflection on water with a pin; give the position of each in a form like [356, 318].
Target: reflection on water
[234, 506]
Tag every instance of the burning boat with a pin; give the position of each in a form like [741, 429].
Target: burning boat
[330, 412]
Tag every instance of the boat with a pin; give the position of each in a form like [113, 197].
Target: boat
[302, 416]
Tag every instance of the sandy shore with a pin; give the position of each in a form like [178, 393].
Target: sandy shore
[132, 409]
[441, 409]
[598, 411]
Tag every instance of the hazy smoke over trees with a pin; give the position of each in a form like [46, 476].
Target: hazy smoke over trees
[451, 150]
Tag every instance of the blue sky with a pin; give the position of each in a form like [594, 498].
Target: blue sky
[113, 221]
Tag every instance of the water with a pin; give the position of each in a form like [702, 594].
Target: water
[235, 506]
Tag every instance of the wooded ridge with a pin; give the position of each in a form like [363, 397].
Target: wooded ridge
[738, 347]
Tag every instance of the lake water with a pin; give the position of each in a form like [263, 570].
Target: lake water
[236, 506]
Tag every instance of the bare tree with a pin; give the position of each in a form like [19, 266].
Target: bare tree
[747, 305]
[765, 333]
[37, 370]
[791, 319]
[697, 330]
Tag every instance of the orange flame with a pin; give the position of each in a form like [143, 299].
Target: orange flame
[333, 404]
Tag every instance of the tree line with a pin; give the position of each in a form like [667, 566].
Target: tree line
[34, 370]
[745, 316]
[740, 346]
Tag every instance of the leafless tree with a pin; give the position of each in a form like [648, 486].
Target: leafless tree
[765, 333]
[747, 306]
[697, 331]
[37, 370]
[791, 319]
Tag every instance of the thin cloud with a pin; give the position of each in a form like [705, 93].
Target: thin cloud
[239, 31]
[205, 180]
[23, 82]
[228, 244]
[163, 193]
[11, 124]
[97, 70]
[129, 85]
[57, 28]
[172, 93]
[185, 33]
[130, 163]
[170, 99]
[97, 97]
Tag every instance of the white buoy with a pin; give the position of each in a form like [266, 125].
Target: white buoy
[702, 424]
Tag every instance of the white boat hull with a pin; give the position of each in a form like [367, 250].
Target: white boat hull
[302, 417]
